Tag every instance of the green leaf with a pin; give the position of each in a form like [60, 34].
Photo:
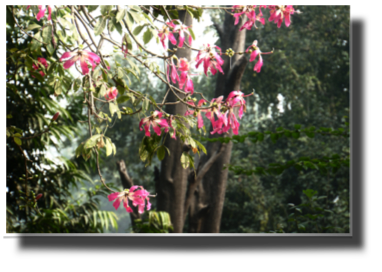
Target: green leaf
[295, 135]
[201, 146]
[37, 75]
[92, 141]
[47, 34]
[100, 26]
[145, 104]
[32, 26]
[17, 141]
[147, 36]
[92, 8]
[113, 108]
[77, 84]
[123, 98]
[109, 147]
[102, 91]
[120, 14]
[138, 29]
[297, 126]
[192, 33]
[309, 193]
[50, 49]
[120, 73]
[105, 9]
[161, 152]
[35, 45]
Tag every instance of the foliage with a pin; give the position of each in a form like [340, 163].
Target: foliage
[39, 187]
[156, 222]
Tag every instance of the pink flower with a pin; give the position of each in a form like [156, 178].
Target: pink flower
[41, 12]
[174, 74]
[155, 121]
[252, 18]
[237, 97]
[181, 29]
[210, 59]
[111, 94]
[166, 33]
[136, 194]
[278, 13]
[82, 57]
[214, 109]
[255, 52]
[185, 79]
[197, 113]
[41, 61]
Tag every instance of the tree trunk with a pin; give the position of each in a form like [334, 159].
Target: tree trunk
[208, 197]
[171, 183]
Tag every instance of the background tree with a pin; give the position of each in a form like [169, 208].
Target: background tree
[311, 65]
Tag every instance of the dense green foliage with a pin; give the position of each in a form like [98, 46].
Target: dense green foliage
[32, 136]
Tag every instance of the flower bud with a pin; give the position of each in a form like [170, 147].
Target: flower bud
[54, 118]
[38, 197]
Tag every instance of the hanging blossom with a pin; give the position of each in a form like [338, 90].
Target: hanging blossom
[82, 57]
[278, 13]
[255, 51]
[41, 12]
[174, 74]
[136, 194]
[185, 79]
[155, 121]
[213, 111]
[240, 10]
[182, 29]
[166, 32]
[252, 20]
[111, 94]
[198, 112]
[211, 59]
[41, 62]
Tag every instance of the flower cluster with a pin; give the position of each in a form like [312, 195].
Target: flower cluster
[156, 121]
[254, 50]
[184, 80]
[41, 62]
[277, 14]
[221, 113]
[211, 59]
[136, 194]
[83, 57]
[168, 31]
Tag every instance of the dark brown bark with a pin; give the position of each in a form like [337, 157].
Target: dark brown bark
[206, 210]
[127, 182]
[172, 182]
